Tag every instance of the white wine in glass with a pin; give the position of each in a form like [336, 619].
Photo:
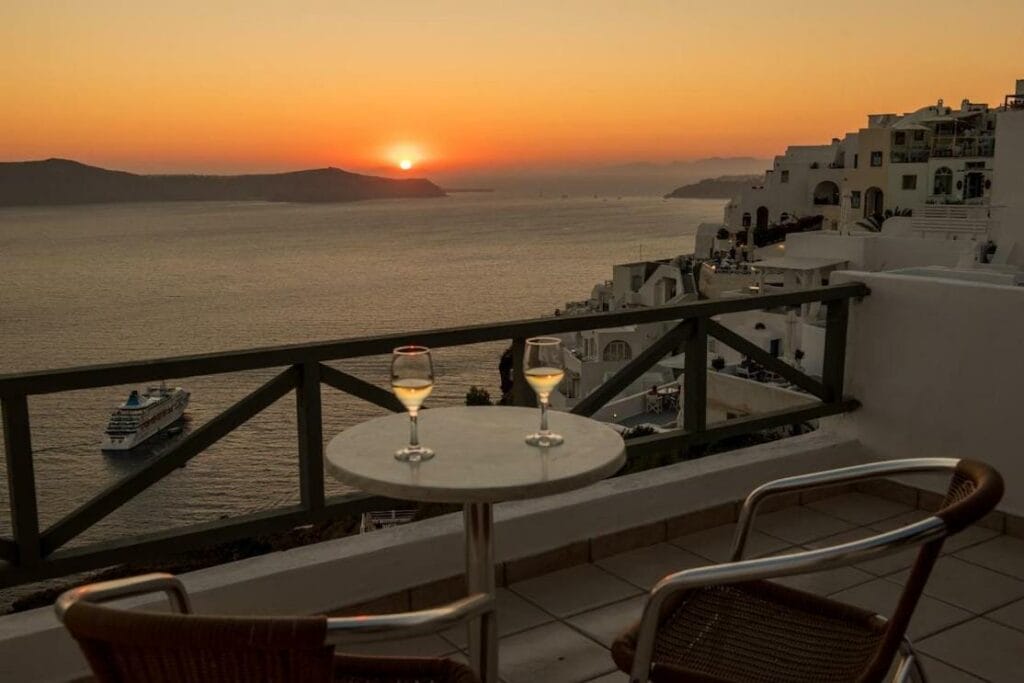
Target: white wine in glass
[412, 380]
[543, 367]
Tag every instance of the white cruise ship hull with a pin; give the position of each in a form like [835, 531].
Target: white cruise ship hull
[128, 441]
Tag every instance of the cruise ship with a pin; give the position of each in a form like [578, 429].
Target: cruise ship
[143, 415]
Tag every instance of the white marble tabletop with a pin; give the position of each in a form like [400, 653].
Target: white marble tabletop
[480, 455]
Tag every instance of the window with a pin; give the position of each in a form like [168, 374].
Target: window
[617, 350]
[918, 135]
[855, 199]
[746, 220]
[856, 159]
[785, 176]
[943, 181]
[910, 182]
[899, 138]
[876, 158]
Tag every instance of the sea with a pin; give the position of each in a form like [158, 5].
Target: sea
[108, 283]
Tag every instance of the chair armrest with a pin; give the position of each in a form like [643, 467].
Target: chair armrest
[374, 627]
[928, 529]
[843, 475]
[128, 587]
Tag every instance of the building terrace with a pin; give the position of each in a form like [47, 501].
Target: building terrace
[924, 367]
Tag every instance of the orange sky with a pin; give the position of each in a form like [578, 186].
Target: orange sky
[247, 86]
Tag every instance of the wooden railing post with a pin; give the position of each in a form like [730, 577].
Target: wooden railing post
[695, 378]
[311, 436]
[21, 480]
[834, 362]
[522, 394]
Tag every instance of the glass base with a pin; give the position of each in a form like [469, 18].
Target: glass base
[414, 454]
[544, 439]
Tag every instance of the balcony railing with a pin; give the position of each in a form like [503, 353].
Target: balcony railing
[33, 553]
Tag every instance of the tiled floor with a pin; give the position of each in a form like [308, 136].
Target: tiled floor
[969, 625]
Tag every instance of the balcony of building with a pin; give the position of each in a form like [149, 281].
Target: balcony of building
[914, 367]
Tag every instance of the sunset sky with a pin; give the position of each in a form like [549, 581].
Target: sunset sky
[224, 86]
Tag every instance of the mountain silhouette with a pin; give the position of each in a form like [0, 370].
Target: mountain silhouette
[61, 181]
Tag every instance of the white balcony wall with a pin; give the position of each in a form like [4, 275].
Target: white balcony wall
[936, 365]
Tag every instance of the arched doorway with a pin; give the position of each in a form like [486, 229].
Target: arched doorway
[762, 218]
[943, 181]
[826, 193]
[874, 202]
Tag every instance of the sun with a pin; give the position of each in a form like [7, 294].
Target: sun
[405, 164]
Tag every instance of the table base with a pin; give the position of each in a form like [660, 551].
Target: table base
[483, 631]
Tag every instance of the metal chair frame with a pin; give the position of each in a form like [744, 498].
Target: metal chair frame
[340, 630]
[738, 570]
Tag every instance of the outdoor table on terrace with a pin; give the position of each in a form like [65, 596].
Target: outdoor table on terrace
[481, 459]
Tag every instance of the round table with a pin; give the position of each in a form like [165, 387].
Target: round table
[481, 458]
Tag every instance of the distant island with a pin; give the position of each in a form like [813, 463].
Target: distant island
[722, 187]
[60, 181]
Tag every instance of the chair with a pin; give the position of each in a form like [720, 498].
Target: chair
[727, 624]
[127, 645]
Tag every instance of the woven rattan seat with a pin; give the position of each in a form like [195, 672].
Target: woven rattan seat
[758, 631]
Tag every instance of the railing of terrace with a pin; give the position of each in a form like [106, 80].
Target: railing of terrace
[32, 553]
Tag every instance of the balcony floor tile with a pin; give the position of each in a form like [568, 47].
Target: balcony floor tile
[553, 653]
[983, 647]
[716, 543]
[859, 508]
[644, 567]
[968, 586]
[574, 590]
[606, 623]
[1003, 554]
[881, 596]
[514, 614]
[1012, 615]
[800, 525]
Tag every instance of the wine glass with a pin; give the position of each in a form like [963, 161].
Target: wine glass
[412, 380]
[544, 368]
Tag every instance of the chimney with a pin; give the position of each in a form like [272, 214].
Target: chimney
[1020, 86]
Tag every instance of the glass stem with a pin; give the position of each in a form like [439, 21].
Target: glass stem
[414, 437]
[543, 414]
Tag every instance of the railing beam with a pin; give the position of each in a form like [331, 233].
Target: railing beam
[21, 480]
[309, 424]
[765, 359]
[695, 378]
[50, 381]
[593, 401]
[360, 388]
[119, 493]
[833, 367]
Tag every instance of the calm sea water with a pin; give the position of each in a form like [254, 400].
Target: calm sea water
[98, 284]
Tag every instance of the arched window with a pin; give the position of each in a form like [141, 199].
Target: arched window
[826, 193]
[617, 350]
[746, 220]
[943, 181]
